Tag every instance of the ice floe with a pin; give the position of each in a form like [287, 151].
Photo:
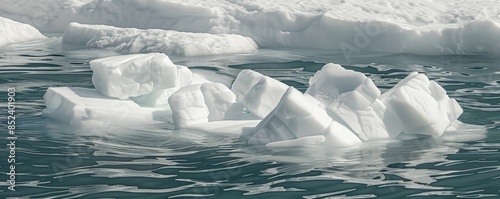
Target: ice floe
[340, 108]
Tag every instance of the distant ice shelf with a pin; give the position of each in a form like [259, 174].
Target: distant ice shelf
[424, 27]
[15, 32]
[132, 40]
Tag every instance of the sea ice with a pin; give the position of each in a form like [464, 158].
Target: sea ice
[245, 80]
[84, 106]
[15, 32]
[294, 117]
[422, 105]
[264, 96]
[352, 99]
[159, 98]
[303, 141]
[133, 75]
[351, 27]
[201, 103]
[131, 40]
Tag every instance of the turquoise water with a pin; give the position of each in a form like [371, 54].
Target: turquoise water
[58, 161]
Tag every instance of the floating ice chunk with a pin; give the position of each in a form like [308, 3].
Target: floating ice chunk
[333, 80]
[221, 102]
[15, 32]
[245, 80]
[188, 106]
[422, 105]
[228, 127]
[159, 98]
[294, 117]
[82, 106]
[303, 141]
[131, 40]
[351, 99]
[263, 97]
[338, 135]
[133, 75]
[202, 103]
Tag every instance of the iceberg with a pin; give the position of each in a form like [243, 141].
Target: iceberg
[201, 103]
[422, 105]
[159, 98]
[172, 43]
[258, 93]
[352, 99]
[133, 75]
[295, 117]
[15, 32]
[84, 106]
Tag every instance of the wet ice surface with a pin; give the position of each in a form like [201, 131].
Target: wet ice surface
[113, 161]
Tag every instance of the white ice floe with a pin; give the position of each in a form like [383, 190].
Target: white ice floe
[422, 105]
[352, 99]
[84, 106]
[131, 40]
[133, 75]
[15, 32]
[201, 103]
[352, 26]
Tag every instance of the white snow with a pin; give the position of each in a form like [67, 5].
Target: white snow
[131, 40]
[83, 106]
[134, 75]
[426, 27]
[15, 32]
[422, 105]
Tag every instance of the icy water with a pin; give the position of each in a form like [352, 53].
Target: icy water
[57, 161]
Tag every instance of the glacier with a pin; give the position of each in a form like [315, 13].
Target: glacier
[348, 26]
[15, 32]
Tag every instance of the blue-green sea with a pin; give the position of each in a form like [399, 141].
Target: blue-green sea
[54, 160]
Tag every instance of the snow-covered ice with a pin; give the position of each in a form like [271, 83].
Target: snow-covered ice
[131, 40]
[84, 106]
[426, 27]
[15, 32]
[134, 75]
[422, 105]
